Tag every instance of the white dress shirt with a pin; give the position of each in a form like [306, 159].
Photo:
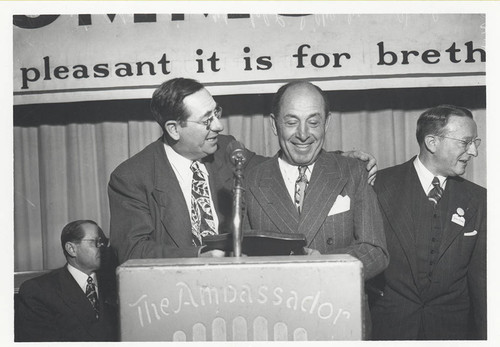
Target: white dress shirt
[290, 175]
[81, 278]
[184, 174]
[426, 177]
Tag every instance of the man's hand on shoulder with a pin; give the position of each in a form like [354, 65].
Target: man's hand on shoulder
[371, 163]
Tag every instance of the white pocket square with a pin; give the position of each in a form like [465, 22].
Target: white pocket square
[341, 204]
[471, 233]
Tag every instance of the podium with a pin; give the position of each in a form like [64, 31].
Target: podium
[278, 298]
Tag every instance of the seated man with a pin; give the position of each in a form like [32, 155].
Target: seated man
[177, 190]
[304, 189]
[70, 303]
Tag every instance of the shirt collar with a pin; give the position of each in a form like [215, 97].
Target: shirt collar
[182, 164]
[81, 277]
[293, 171]
[426, 177]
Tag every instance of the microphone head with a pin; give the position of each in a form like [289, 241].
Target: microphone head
[236, 152]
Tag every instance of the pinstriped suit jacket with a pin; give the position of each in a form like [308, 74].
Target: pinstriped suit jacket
[358, 231]
[149, 216]
[458, 289]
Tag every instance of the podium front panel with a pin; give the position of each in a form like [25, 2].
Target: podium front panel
[285, 298]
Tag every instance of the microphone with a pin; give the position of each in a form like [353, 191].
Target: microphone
[236, 152]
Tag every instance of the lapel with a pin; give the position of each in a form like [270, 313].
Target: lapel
[167, 193]
[324, 187]
[458, 198]
[73, 296]
[394, 198]
[271, 193]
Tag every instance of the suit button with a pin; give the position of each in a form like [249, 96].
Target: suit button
[329, 241]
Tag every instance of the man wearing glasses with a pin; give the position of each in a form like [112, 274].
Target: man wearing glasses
[72, 303]
[167, 197]
[177, 190]
[435, 222]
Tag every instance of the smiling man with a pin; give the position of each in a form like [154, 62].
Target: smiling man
[435, 224]
[177, 190]
[305, 189]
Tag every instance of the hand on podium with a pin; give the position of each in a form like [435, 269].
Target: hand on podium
[214, 253]
[310, 251]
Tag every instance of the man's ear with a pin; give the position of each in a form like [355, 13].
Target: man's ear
[273, 124]
[431, 142]
[327, 120]
[70, 249]
[172, 128]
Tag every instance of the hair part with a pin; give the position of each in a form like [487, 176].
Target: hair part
[73, 232]
[276, 105]
[434, 120]
[167, 103]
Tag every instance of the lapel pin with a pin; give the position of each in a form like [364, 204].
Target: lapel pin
[458, 218]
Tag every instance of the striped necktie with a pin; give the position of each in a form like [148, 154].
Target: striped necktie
[91, 294]
[202, 220]
[436, 192]
[300, 188]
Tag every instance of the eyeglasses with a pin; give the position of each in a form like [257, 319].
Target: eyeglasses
[98, 243]
[465, 144]
[216, 113]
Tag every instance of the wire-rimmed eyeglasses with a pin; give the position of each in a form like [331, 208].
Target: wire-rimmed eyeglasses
[465, 144]
[98, 243]
[216, 113]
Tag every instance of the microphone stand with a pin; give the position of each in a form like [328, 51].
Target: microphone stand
[238, 191]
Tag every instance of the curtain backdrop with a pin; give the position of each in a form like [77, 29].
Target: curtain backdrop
[64, 153]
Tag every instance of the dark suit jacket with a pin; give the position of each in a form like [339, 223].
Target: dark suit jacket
[53, 307]
[357, 231]
[149, 216]
[458, 290]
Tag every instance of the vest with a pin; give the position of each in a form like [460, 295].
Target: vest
[429, 222]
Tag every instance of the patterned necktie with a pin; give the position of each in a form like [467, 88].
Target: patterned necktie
[202, 220]
[91, 294]
[300, 188]
[435, 193]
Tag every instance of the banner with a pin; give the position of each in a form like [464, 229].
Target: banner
[66, 58]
